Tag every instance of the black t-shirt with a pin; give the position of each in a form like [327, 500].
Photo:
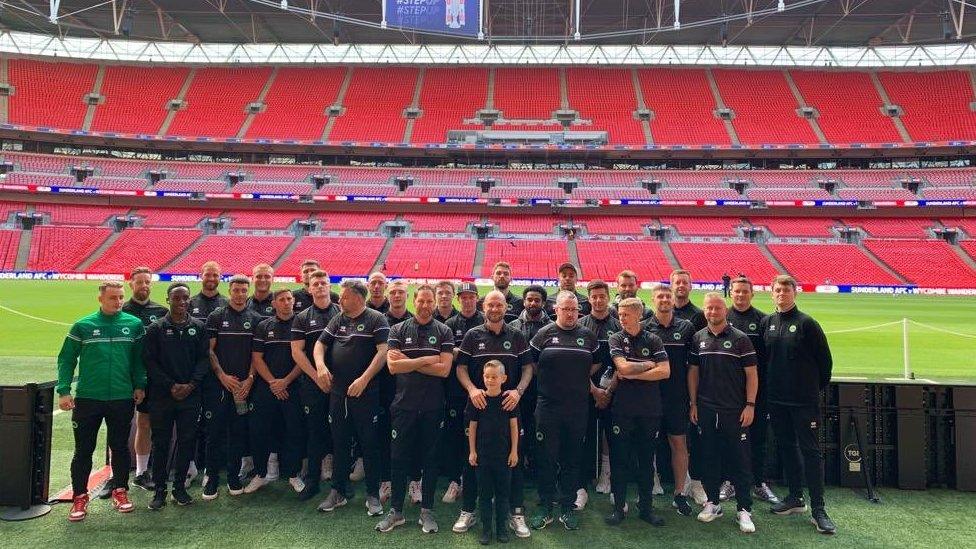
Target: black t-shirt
[309, 325]
[148, 313]
[529, 327]
[677, 338]
[635, 397]
[584, 304]
[351, 346]
[415, 391]
[459, 325]
[382, 307]
[273, 340]
[508, 347]
[443, 319]
[262, 307]
[603, 328]
[233, 331]
[693, 314]
[722, 361]
[201, 306]
[563, 360]
[513, 306]
[393, 321]
[304, 299]
[749, 321]
[493, 439]
[646, 313]
[176, 353]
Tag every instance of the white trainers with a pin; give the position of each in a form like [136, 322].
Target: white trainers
[464, 522]
[582, 498]
[657, 490]
[603, 482]
[711, 512]
[297, 484]
[273, 470]
[416, 495]
[744, 518]
[358, 472]
[452, 492]
[726, 492]
[386, 490]
[697, 492]
[256, 484]
[327, 467]
[517, 524]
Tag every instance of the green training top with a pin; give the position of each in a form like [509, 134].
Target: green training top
[107, 350]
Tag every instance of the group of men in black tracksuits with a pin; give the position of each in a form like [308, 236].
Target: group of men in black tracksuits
[311, 389]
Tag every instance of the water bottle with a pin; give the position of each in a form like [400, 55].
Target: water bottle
[606, 378]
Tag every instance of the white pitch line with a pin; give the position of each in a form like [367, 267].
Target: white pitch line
[32, 317]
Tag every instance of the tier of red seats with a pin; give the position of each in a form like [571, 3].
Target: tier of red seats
[173, 217]
[915, 92]
[605, 259]
[966, 224]
[49, 94]
[7, 208]
[296, 103]
[9, 244]
[78, 214]
[354, 221]
[893, 227]
[374, 105]
[236, 254]
[703, 226]
[143, 112]
[613, 225]
[797, 226]
[762, 117]
[528, 258]
[709, 261]
[925, 262]
[216, 101]
[448, 97]
[830, 264]
[263, 219]
[849, 106]
[538, 224]
[683, 107]
[61, 249]
[970, 247]
[605, 97]
[151, 248]
[440, 223]
[527, 94]
[339, 256]
[450, 258]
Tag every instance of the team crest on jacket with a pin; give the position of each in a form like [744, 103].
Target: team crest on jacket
[192, 331]
[432, 340]
[360, 327]
[579, 341]
[752, 325]
[727, 344]
[645, 351]
[247, 325]
[125, 330]
[507, 345]
[677, 336]
[793, 329]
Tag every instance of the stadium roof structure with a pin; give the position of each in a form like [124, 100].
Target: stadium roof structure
[808, 23]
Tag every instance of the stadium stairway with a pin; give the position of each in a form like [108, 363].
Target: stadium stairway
[877, 261]
[287, 251]
[772, 259]
[896, 120]
[340, 97]
[814, 125]
[971, 261]
[719, 104]
[414, 103]
[185, 253]
[171, 115]
[574, 256]
[23, 251]
[96, 89]
[249, 119]
[669, 253]
[384, 253]
[98, 251]
[639, 94]
[4, 99]
[479, 258]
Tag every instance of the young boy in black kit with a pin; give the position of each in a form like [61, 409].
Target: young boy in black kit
[493, 451]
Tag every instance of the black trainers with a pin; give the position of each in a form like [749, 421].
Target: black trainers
[680, 503]
[210, 488]
[648, 516]
[485, 537]
[502, 535]
[144, 481]
[182, 497]
[234, 485]
[158, 501]
[310, 491]
[615, 517]
[792, 505]
[822, 521]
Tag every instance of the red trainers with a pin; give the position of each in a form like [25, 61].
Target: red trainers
[79, 508]
[120, 500]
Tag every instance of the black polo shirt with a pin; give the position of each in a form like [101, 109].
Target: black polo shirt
[415, 391]
[444, 319]
[459, 325]
[602, 328]
[201, 306]
[382, 307]
[148, 312]
[677, 338]
[262, 307]
[309, 324]
[176, 353]
[646, 313]
[513, 306]
[693, 314]
[493, 437]
[722, 361]
[233, 331]
[584, 304]
[273, 340]
[749, 321]
[529, 327]
[351, 346]
[393, 320]
[563, 360]
[304, 299]
[509, 347]
[635, 397]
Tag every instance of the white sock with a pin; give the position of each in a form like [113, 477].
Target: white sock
[142, 463]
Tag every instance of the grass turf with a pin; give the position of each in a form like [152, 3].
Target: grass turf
[274, 518]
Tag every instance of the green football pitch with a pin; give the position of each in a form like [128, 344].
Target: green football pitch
[866, 337]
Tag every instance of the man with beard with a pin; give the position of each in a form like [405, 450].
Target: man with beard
[396, 293]
[444, 295]
[303, 296]
[377, 292]
[567, 283]
[305, 331]
[455, 451]
[209, 298]
[603, 324]
[532, 318]
[261, 301]
[627, 286]
[148, 311]
[501, 277]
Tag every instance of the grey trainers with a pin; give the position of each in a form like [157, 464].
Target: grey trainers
[427, 522]
[373, 506]
[765, 493]
[333, 501]
[392, 519]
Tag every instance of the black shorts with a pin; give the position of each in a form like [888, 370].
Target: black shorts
[675, 420]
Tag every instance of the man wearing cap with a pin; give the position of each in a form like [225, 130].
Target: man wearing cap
[568, 275]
